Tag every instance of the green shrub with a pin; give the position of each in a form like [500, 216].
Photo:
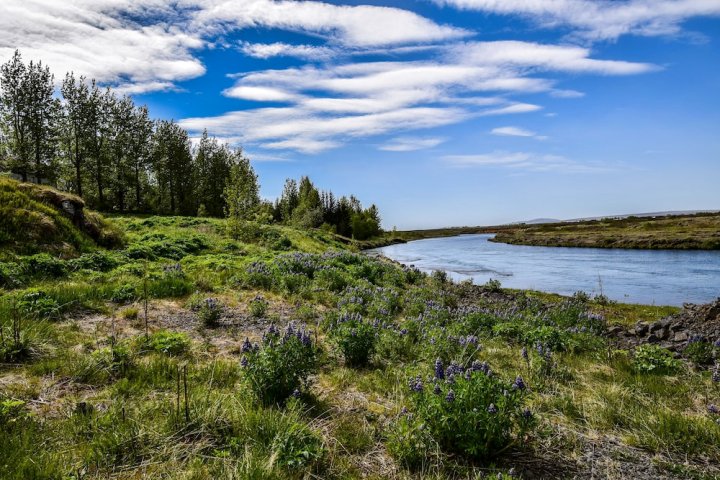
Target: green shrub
[210, 312]
[492, 285]
[12, 411]
[100, 261]
[124, 293]
[38, 304]
[11, 275]
[170, 343]
[43, 265]
[471, 411]
[281, 365]
[356, 340]
[297, 447]
[411, 443]
[258, 306]
[654, 359]
[699, 352]
[109, 362]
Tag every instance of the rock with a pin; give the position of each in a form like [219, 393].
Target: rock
[664, 334]
[652, 338]
[641, 329]
[616, 330]
[681, 337]
[676, 327]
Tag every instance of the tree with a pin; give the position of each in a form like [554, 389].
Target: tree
[42, 114]
[289, 200]
[173, 164]
[98, 118]
[212, 163]
[139, 149]
[74, 126]
[15, 129]
[242, 192]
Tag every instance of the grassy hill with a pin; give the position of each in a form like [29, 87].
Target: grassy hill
[38, 218]
[277, 353]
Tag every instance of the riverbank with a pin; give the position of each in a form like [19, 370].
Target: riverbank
[187, 353]
[699, 231]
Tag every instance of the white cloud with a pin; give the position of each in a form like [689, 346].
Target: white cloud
[566, 94]
[279, 49]
[360, 25]
[259, 94]
[410, 144]
[512, 132]
[600, 20]
[523, 161]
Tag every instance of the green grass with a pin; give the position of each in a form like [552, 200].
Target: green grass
[100, 400]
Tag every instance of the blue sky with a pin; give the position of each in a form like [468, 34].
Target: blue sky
[442, 112]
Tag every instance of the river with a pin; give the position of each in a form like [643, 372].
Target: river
[652, 277]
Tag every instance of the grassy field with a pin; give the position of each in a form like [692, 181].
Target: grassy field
[185, 353]
[684, 232]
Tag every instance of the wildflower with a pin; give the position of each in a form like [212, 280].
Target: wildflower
[492, 409]
[416, 384]
[244, 361]
[527, 414]
[246, 346]
[404, 411]
[524, 353]
[519, 384]
[716, 374]
[439, 369]
[713, 409]
[437, 390]
[296, 393]
[450, 397]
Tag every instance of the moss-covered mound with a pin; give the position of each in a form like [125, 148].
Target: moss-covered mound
[36, 218]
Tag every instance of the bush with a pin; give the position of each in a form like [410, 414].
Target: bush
[170, 343]
[12, 411]
[45, 266]
[492, 285]
[356, 340]
[411, 443]
[699, 351]
[112, 361]
[471, 411]
[124, 294]
[297, 447]
[11, 275]
[258, 306]
[654, 359]
[100, 261]
[37, 303]
[210, 312]
[281, 365]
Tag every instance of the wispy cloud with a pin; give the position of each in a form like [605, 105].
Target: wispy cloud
[410, 144]
[600, 20]
[516, 132]
[523, 161]
[280, 49]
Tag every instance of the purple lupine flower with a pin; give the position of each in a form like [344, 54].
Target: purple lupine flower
[713, 409]
[404, 411]
[492, 409]
[716, 374]
[416, 384]
[244, 361]
[437, 390]
[439, 369]
[519, 384]
[717, 343]
[468, 373]
[524, 353]
[527, 414]
[450, 397]
[450, 378]
[296, 393]
[246, 346]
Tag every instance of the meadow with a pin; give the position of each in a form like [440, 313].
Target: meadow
[172, 347]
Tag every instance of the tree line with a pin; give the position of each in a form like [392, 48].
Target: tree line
[89, 140]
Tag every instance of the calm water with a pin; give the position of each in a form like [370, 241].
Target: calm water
[660, 277]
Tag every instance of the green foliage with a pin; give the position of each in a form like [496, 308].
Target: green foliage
[242, 192]
[210, 312]
[170, 343]
[411, 443]
[356, 340]
[650, 358]
[37, 303]
[45, 266]
[12, 411]
[99, 261]
[297, 447]
[258, 306]
[699, 352]
[474, 413]
[281, 365]
[493, 285]
[124, 293]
